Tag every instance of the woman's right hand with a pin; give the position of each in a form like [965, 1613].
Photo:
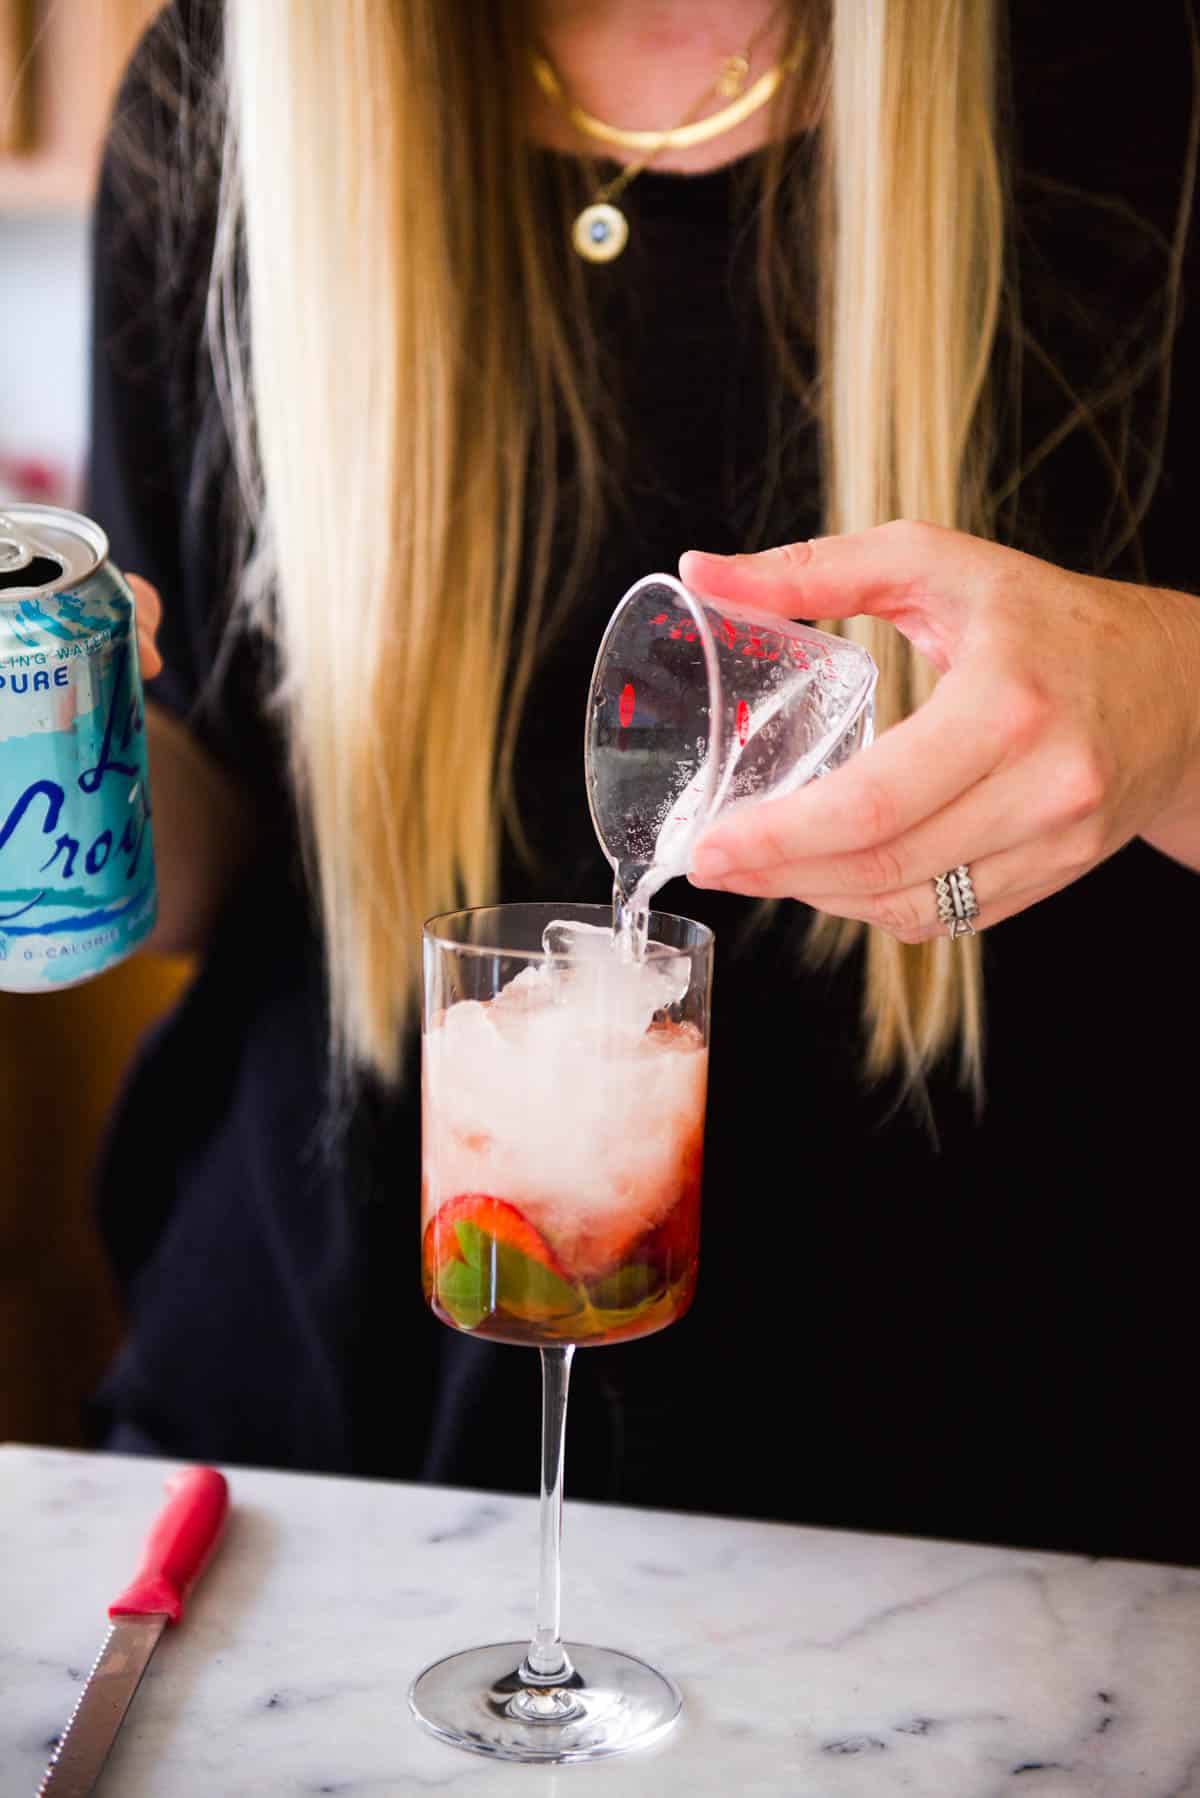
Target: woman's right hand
[149, 614]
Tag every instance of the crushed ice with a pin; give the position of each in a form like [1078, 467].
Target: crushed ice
[608, 992]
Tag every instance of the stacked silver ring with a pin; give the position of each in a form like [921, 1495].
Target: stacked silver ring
[956, 901]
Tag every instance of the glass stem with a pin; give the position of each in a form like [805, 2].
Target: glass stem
[546, 1661]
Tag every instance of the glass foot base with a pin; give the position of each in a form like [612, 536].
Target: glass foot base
[609, 1703]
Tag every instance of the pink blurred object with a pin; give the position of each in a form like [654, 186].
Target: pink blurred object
[34, 478]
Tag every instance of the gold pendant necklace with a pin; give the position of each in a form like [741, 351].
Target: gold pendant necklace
[601, 231]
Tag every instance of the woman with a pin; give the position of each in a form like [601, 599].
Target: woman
[390, 429]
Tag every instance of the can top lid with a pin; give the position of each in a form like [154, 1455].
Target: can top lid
[45, 549]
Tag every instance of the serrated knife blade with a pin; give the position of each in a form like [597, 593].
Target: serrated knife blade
[176, 1551]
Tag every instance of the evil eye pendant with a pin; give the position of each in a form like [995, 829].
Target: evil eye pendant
[600, 232]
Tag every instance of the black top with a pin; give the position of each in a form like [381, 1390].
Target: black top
[989, 1338]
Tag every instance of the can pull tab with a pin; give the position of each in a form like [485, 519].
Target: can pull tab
[13, 553]
[24, 564]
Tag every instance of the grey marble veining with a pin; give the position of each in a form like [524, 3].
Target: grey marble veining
[813, 1664]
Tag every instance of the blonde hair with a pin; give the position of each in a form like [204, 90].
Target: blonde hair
[410, 363]
[915, 234]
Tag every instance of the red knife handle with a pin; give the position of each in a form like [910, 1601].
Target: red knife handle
[184, 1535]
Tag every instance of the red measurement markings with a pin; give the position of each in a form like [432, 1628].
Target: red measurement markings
[683, 625]
[765, 645]
[760, 642]
[757, 641]
[627, 704]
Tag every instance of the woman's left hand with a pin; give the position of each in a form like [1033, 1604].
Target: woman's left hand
[1066, 721]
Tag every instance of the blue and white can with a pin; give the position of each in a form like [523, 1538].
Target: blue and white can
[77, 890]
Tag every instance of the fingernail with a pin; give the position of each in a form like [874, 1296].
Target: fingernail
[694, 563]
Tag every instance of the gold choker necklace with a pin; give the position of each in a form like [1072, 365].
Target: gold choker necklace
[601, 230]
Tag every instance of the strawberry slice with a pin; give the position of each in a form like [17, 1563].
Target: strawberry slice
[493, 1217]
[481, 1256]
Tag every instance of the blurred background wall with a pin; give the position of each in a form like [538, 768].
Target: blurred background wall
[62, 1055]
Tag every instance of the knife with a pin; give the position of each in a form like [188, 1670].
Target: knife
[176, 1550]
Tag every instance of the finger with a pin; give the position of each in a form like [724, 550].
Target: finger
[914, 770]
[1022, 802]
[1003, 884]
[149, 605]
[149, 660]
[837, 577]
[913, 918]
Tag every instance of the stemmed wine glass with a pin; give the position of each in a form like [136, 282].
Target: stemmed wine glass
[563, 1092]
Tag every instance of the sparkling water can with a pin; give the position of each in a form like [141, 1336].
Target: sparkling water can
[77, 889]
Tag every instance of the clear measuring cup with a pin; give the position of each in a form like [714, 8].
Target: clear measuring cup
[696, 707]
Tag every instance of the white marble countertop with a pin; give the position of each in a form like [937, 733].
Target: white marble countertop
[813, 1664]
